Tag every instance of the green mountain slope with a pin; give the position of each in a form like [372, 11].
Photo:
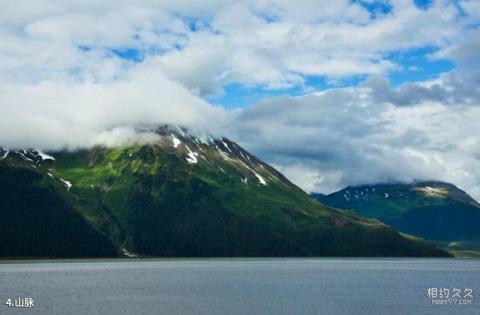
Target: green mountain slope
[432, 210]
[36, 221]
[186, 196]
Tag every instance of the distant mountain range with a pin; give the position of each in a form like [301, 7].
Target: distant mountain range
[432, 210]
[181, 195]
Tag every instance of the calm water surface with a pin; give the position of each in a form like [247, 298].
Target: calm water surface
[237, 286]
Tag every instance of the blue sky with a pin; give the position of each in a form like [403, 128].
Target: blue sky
[412, 65]
[415, 64]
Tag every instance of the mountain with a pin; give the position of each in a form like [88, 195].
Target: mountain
[36, 218]
[433, 210]
[177, 195]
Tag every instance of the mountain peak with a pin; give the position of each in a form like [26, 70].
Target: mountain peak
[192, 149]
[34, 156]
[432, 209]
[428, 188]
[180, 195]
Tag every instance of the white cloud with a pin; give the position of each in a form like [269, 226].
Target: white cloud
[273, 44]
[326, 141]
[471, 8]
[312, 38]
[54, 114]
[62, 84]
[122, 135]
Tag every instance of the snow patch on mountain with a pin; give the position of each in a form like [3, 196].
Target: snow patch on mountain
[226, 146]
[44, 156]
[192, 156]
[260, 179]
[23, 154]
[5, 154]
[258, 176]
[176, 141]
[66, 183]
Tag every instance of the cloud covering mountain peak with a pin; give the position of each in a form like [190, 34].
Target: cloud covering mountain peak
[344, 92]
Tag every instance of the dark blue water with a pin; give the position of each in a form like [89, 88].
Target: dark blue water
[238, 286]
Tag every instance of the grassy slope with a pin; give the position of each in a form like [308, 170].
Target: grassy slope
[56, 230]
[164, 206]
